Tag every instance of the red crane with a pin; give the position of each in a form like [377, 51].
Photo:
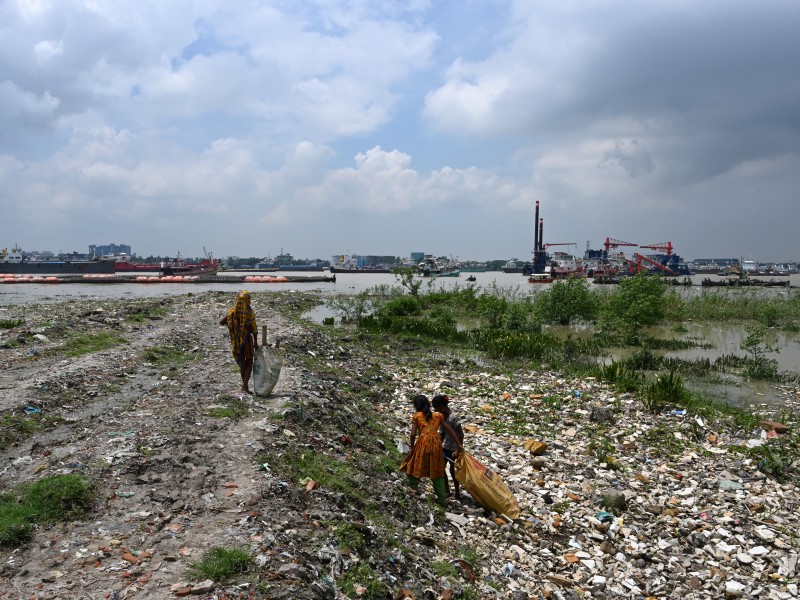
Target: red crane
[641, 258]
[612, 243]
[663, 246]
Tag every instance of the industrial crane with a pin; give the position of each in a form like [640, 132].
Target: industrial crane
[612, 243]
[545, 246]
[640, 258]
[663, 246]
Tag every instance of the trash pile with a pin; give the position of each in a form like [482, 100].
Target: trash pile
[615, 502]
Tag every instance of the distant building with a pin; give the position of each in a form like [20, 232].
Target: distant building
[417, 257]
[109, 250]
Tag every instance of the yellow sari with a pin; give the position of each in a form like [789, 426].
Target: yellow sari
[241, 323]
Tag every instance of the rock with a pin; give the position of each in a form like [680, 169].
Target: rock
[204, 587]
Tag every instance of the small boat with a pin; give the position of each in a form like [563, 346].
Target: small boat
[540, 278]
[472, 278]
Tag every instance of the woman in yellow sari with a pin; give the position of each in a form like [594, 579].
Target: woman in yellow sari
[241, 322]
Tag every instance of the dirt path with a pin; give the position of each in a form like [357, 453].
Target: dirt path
[175, 480]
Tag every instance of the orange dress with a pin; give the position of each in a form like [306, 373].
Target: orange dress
[426, 458]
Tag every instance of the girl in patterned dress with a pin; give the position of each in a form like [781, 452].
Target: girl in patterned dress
[426, 458]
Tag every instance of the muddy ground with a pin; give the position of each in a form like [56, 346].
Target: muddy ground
[306, 480]
[172, 480]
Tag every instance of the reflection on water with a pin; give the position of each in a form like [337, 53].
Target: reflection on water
[726, 341]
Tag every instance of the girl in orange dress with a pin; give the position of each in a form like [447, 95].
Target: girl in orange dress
[426, 458]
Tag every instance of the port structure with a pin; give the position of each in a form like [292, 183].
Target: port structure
[665, 247]
[612, 243]
[637, 265]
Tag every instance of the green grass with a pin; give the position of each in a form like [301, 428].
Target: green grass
[15, 428]
[442, 568]
[348, 536]
[46, 501]
[364, 575]
[146, 312]
[234, 408]
[170, 358]
[330, 472]
[219, 564]
[11, 323]
[86, 344]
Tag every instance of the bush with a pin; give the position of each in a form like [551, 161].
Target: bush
[637, 302]
[401, 307]
[567, 301]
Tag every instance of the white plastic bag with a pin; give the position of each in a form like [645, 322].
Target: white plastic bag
[266, 369]
[267, 365]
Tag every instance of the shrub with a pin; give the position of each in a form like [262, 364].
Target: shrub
[637, 302]
[401, 307]
[666, 389]
[566, 301]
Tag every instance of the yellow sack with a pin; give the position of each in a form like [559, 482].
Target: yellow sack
[485, 486]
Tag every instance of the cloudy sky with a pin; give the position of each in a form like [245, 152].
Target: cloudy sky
[326, 127]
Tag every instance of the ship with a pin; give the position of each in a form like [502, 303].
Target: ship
[513, 266]
[350, 264]
[434, 267]
[16, 262]
[207, 266]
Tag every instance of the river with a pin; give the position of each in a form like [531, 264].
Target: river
[347, 283]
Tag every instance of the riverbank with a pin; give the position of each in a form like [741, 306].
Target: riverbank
[140, 397]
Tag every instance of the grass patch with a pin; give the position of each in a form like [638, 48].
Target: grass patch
[15, 428]
[364, 576]
[661, 441]
[235, 408]
[169, 357]
[442, 568]
[97, 342]
[47, 501]
[332, 473]
[11, 323]
[147, 312]
[349, 536]
[219, 564]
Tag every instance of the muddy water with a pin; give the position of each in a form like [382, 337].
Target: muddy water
[722, 341]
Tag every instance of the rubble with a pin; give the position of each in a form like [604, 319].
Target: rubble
[616, 502]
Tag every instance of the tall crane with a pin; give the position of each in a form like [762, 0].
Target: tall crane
[545, 246]
[663, 246]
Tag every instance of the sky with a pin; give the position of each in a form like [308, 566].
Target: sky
[329, 127]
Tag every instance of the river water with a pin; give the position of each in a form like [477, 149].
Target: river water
[725, 339]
